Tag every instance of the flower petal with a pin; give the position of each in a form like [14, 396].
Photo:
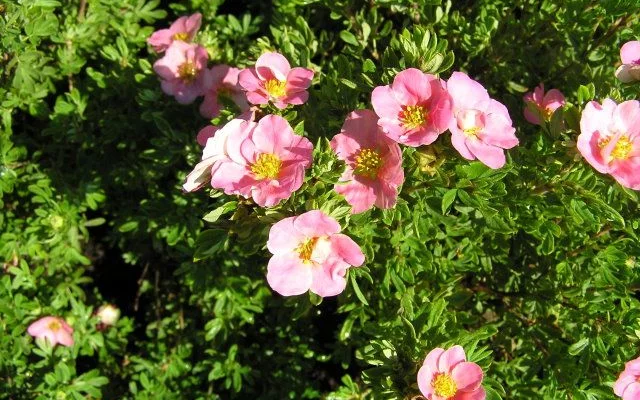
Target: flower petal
[328, 278]
[315, 223]
[450, 358]
[288, 275]
[347, 249]
[467, 375]
[272, 65]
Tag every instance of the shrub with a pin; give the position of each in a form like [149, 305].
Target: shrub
[529, 263]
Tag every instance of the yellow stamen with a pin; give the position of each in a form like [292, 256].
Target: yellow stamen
[444, 386]
[267, 166]
[54, 326]
[275, 88]
[305, 250]
[368, 163]
[547, 113]
[621, 150]
[182, 36]
[472, 132]
[414, 116]
[187, 71]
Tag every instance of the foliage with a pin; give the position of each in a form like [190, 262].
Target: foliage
[532, 268]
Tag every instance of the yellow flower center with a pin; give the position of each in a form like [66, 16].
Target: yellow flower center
[472, 132]
[444, 386]
[187, 71]
[182, 36]
[368, 163]
[267, 166]
[621, 150]
[54, 326]
[275, 88]
[414, 116]
[547, 113]
[305, 250]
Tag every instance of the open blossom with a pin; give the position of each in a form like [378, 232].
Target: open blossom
[629, 71]
[481, 127]
[414, 109]
[610, 139]
[543, 104]
[273, 79]
[53, 329]
[310, 253]
[223, 81]
[267, 163]
[628, 384]
[183, 29]
[447, 375]
[374, 163]
[183, 71]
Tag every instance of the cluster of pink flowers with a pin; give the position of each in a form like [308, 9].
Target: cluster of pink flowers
[414, 111]
[609, 137]
[184, 74]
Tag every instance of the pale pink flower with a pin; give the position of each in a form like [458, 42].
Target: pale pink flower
[216, 149]
[273, 79]
[53, 329]
[267, 164]
[223, 81]
[447, 375]
[183, 29]
[414, 109]
[629, 71]
[610, 139]
[374, 163]
[310, 253]
[540, 106]
[481, 127]
[628, 384]
[108, 315]
[183, 71]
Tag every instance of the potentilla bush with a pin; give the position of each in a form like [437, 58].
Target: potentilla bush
[320, 199]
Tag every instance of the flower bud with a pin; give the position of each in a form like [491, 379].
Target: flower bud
[108, 314]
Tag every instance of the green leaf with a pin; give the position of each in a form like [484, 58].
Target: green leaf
[578, 347]
[214, 215]
[356, 290]
[447, 200]
[349, 37]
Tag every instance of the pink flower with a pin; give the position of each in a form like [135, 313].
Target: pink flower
[309, 253]
[273, 79]
[183, 71]
[414, 110]
[543, 104]
[446, 375]
[374, 163]
[610, 139]
[629, 71]
[53, 329]
[224, 83]
[216, 149]
[183, 29]
[628, 384]
[481, 127]
[267, 163]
